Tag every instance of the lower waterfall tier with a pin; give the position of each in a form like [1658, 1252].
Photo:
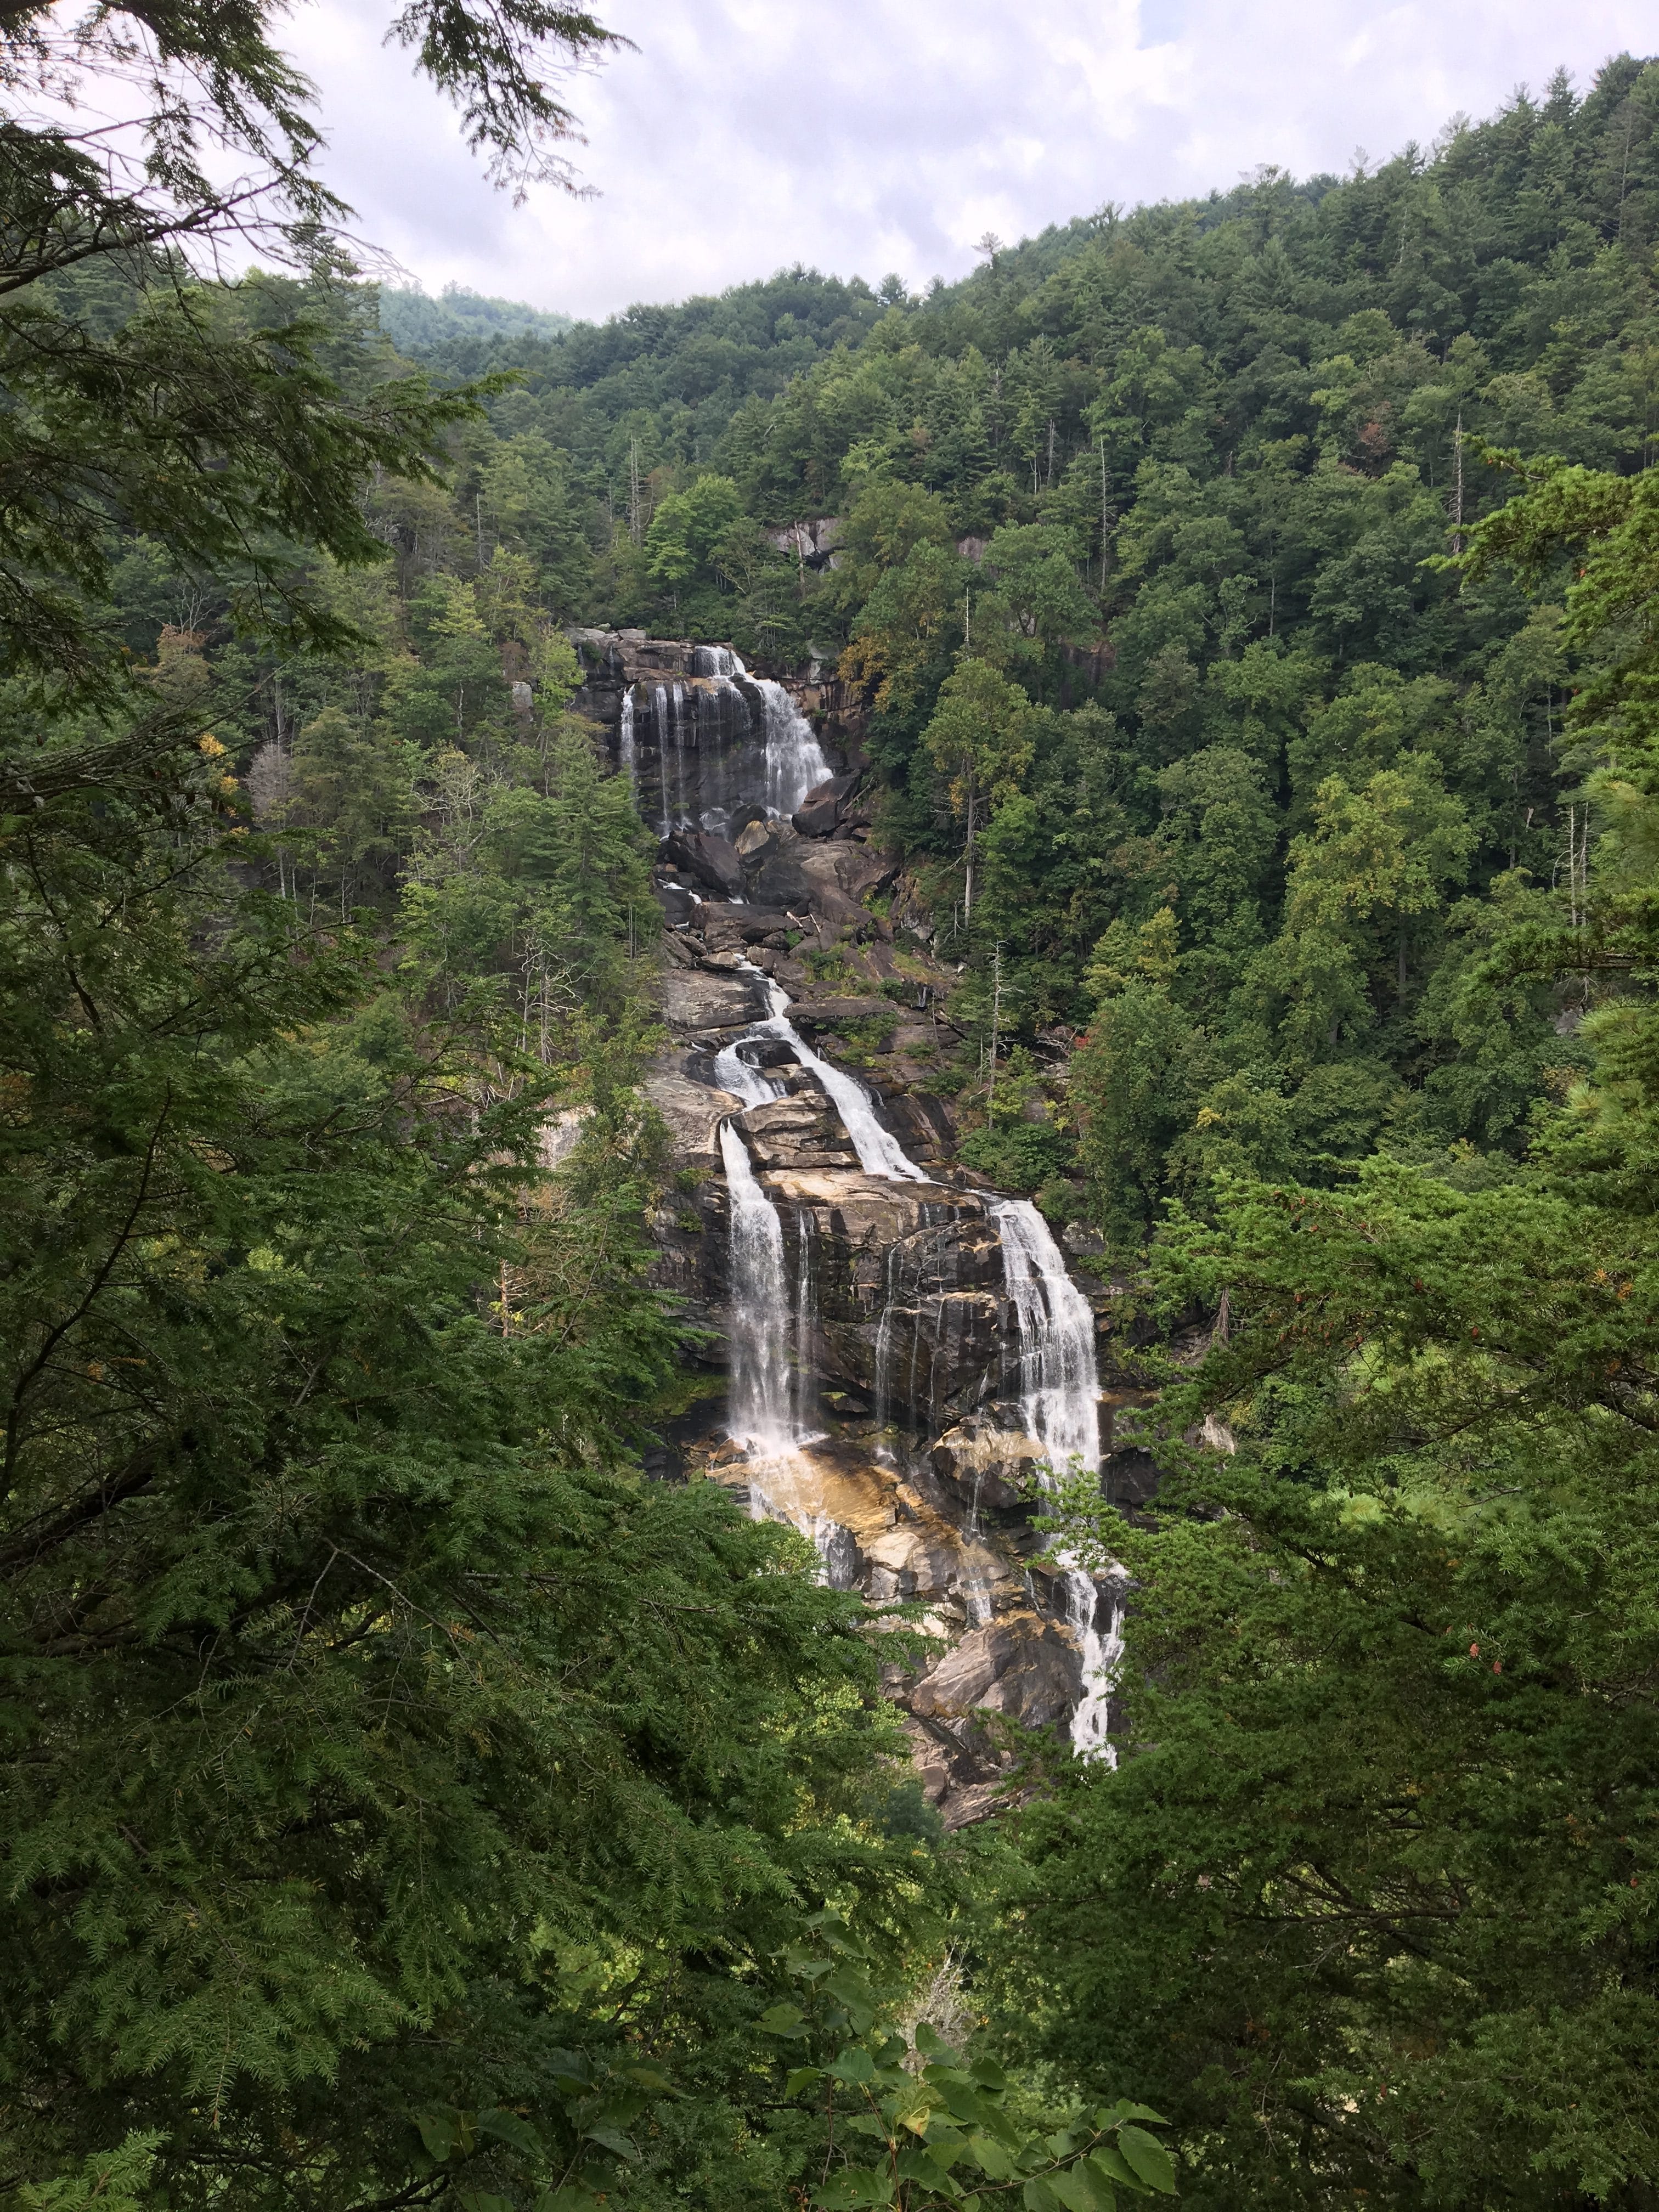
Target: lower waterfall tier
[907, 1351]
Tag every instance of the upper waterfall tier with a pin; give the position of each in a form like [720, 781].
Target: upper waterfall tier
[706, 748]
[707, 744]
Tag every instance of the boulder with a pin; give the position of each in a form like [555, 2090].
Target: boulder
[818, 1014]
[987, 1465]
[803, 1131]
[695, 998]
[819, 811]
[1018, 1664]
[708, 859]
[725, 926]
[692, 1110]
[830, 879]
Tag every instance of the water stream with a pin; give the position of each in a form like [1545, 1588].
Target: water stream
[725, 738]
[771, 1398]
[761, 1413]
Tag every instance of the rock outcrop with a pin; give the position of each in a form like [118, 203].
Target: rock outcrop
[910, 1459]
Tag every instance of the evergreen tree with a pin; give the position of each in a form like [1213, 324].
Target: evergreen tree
[1385, 1842]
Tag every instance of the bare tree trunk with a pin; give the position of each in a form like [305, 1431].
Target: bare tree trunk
[1457, 480]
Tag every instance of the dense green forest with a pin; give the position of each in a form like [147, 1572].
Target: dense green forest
[415, 321]
[1182, 478]
[1248, 610]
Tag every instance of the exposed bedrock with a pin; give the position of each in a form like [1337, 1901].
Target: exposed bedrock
[892, 1353]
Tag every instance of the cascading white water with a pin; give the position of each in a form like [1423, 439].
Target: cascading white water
[660, 721]
[733, 1074]
[806, 1393]
[879, 1151]
[795, 763]
[1059, 1401]
[760, 1399]
[1053, 1322]
[1102, 1656]
[1060, 1385]
[627, 751]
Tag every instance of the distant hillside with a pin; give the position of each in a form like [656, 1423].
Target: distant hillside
[414, 323]
[671, 376]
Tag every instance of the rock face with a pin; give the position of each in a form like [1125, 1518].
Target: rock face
[820, 812]
[709, 747]
[897, 1428]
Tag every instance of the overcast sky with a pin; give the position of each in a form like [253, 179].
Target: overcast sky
[865, 136]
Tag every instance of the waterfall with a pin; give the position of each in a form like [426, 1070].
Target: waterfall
[761, 1378]
[659, 719]
[794, 759]
[625, 755]
[806, 1391]
[892, 1274]
[879, 1151]
[771, 1402]
[1101, 1657]
[1060, 1387]
[715, 751]
[1060, 1399]
[732, 1073]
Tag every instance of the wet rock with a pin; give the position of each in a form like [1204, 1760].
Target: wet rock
[819, 811]
[677, 903]
[987, 1466]
[816, 1015]
[798, 1132]
[708, 859]
[724, 927]
[695, 998]
[921, 1125]
[693, 1111]
[1019, 1664]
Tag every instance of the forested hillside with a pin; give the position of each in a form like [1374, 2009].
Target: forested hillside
[1240, 617]
[1182, 477]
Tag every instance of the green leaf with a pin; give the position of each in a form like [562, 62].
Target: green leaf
[967, 2104]
[612, 2139]
[991, 2158]
[437, 2133]
[854, 2064]
[802, 2077]
[989, 2075]
[508, 2128]
[651, 2078]
[783, 2020]
[1152, 2163]
[1082, 2188]
[855, 2186]
[930, 2044]
[1123, 2109]
[1038, 2197]
[946, 2144]
[1116, 2168]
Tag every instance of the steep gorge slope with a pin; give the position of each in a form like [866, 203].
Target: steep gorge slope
[902, 1349]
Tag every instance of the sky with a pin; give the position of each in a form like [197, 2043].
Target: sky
[861, 137]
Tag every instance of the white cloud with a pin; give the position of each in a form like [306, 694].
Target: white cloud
[861, 136]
